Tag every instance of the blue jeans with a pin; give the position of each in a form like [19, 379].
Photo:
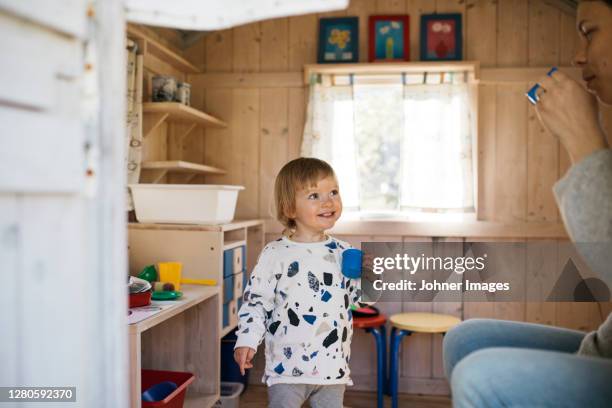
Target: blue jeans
[496, 363]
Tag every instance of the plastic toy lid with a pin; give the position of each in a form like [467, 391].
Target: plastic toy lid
[167, 295]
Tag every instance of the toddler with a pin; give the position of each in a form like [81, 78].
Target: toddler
[297, 298]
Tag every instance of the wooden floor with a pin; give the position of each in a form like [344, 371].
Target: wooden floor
[256, 396]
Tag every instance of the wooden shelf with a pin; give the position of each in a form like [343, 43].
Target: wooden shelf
[192, 295]
[158, 169]
[161, 52]
[178, 112]
[234, 225]
[233, 244]
[181, 166]
[156, 113]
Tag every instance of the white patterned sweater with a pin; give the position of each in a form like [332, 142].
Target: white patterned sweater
[299, 301]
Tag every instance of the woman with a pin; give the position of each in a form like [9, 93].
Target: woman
[498, 363]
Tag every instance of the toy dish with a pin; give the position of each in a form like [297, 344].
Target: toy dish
[169, 295]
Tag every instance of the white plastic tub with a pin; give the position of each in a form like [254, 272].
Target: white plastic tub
[230, 395]
[185, 203]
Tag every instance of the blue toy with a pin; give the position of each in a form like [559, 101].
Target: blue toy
[159, 391]
[531, 94]
[351, 263]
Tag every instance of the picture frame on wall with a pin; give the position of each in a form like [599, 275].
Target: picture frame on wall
[338, 40]
[389, 38]
[441, 37]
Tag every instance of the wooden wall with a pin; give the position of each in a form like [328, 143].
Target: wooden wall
[519, 162]
[249, 81]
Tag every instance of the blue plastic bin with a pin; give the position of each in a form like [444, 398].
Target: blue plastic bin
[230, 372]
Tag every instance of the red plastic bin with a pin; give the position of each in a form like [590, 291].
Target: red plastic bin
[177, 397]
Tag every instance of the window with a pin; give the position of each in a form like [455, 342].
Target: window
[401, 145]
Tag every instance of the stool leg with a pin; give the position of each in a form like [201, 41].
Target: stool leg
[394, 370]
[390, 366]
[380, 361]
[385, 373]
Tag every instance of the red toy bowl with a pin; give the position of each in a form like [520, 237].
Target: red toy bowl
[140, 299]
[177, 397]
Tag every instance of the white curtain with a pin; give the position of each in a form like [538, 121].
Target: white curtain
[395, 148]
[437, 157]
[328, 135]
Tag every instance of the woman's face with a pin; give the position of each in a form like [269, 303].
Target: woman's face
[594, 53]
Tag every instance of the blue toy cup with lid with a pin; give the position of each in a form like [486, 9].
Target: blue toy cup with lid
[351, 263]
[532, 93]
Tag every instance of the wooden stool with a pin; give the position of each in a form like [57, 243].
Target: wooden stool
[403, 324]
[376, 326]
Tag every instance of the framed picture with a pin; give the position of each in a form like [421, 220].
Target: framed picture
[389, 38]
[338, 40]
[441, 37]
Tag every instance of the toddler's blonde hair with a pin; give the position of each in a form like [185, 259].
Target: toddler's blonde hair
[294, 176]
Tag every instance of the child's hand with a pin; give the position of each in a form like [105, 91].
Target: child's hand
[244, 358]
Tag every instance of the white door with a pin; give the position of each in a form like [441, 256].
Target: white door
[62, 227]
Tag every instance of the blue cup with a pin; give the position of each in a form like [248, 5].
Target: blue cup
[351, 263]
[531, 94]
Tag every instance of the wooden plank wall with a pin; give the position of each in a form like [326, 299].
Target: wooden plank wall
[518, 160]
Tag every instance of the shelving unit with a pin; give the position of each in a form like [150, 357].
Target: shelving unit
[180, 120]
[200, 248]
[164, 342]
[186, 336]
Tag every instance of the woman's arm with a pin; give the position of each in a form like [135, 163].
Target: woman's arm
[584, 197]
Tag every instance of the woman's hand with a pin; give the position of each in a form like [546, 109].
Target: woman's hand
[367, 261]
[367, 269]
[570, 113]
[244, 358]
